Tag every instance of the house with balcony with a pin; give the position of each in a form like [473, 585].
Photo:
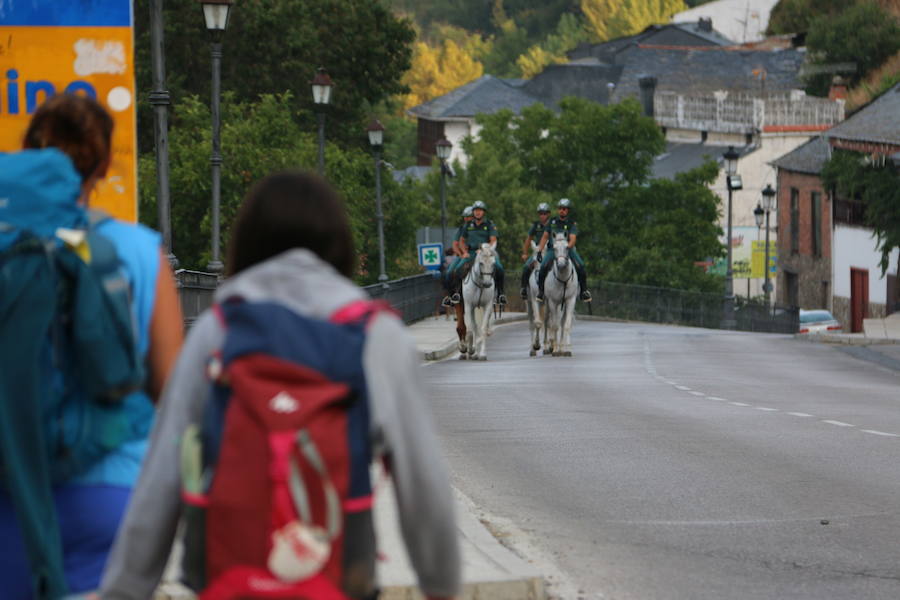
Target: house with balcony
[828, 253]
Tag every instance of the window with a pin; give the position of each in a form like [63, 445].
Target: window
[816, 220]
[795, 221]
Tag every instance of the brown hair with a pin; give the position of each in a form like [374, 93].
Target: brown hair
[290, 210]
[77, 125]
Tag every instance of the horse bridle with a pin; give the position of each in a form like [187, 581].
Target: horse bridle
[488, 274]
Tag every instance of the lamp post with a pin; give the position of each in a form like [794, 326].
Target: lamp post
[443, 149]
[768, 205]
[733, 182]
[160, 100]
[321, 90]
[376, 139]
[216, 13]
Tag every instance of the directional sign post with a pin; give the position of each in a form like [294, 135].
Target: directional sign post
[430, 256]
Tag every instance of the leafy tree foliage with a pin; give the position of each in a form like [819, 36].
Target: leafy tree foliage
[610, 19]
[632, 228]
[878, 186]
[838, 38]
[259, 138]
[795, 16]
[569, 33]
[436, 71]
[273, 46]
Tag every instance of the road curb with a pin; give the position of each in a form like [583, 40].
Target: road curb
[451, 346]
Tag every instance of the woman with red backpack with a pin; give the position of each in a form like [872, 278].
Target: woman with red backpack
[285, 393]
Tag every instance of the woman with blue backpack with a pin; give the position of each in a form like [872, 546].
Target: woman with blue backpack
[90, 326]
[287, 390]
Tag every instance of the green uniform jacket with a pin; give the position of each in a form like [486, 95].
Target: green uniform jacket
[477, 234]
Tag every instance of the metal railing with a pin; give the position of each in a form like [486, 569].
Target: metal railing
[414, 297]
[195, 289]
[680, 307]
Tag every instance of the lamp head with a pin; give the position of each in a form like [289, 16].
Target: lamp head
[768, 198]
[759, 215]
[321, 87]
[215, 14]
[376, 133]
[731, 156]
[443, 149]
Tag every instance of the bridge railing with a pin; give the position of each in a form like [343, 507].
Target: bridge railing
[414, 297]
[681, 307]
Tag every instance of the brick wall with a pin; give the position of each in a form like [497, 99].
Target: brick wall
[814, 286]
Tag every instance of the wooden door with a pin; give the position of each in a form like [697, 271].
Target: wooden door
[859, 298]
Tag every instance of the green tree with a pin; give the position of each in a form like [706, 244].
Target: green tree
[795, 16]
[570, 31]
[634, 229]
[838, 38]
[273, 46]
[878, 187]
[259, 138]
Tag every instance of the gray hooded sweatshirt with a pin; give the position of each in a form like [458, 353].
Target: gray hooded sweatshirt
[401, 427]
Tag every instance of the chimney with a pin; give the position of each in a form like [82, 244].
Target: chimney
[705, 24]
[648, 90]
[838, 89]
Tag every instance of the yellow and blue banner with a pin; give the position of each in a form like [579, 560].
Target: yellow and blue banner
[78, 46]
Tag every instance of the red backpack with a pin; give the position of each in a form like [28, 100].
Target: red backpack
[276, 480]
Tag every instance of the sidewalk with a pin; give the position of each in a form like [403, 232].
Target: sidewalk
[490, 570]
[436, 336]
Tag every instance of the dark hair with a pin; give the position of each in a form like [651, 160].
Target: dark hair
[75, 124]
[289, 210]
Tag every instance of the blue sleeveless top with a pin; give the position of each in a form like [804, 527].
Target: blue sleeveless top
[138, 249]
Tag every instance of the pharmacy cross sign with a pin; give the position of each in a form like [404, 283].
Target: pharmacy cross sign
[430, 256]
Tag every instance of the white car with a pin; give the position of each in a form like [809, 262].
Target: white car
[818, 321]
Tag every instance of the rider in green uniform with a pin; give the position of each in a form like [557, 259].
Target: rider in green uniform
[562, 224]
[535, 233]
[457, 251]
[479, 230]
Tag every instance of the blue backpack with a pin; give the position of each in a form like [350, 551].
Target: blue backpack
[68, 346]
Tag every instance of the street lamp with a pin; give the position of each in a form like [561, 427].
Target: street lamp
[733, 182]
[759, 215]
[321, 90]
[160, 100]
[443, 149]
[768, 205]
[216, 14]
[376, 139]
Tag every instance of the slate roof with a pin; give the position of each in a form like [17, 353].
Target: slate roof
[807, 158]
[587, 79]
[878, 121]
[702, 71]
[681, 156]
[671, 34]
[487, 94]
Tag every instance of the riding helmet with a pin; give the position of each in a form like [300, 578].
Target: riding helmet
[543, 207]
[479, 204]
[564, 203]
[467, 211]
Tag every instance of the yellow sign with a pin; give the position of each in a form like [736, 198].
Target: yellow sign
[759, 258]
[48, 48]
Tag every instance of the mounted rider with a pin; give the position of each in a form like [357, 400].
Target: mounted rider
[568, 227]
[447, 278]
[535, 233]
[480, 230]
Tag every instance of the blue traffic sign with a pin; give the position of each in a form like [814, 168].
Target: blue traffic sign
[430, 256]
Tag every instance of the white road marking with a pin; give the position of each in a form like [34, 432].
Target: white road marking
[838, 423]
[738, 404]
[717, 399]
[682, 388]
[698, 393]
[766, 409]
[799, 414]
[884, 433]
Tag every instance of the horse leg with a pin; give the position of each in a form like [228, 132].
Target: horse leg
[484, 327]
[567, 327]
[471, 330]
[461, 328]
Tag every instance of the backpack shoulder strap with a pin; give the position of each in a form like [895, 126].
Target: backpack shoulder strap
[360, 311]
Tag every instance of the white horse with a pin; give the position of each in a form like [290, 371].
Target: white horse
[560, 293]
[536, 309]
[478, 296]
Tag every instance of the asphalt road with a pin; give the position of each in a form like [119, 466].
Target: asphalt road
[677, 463]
